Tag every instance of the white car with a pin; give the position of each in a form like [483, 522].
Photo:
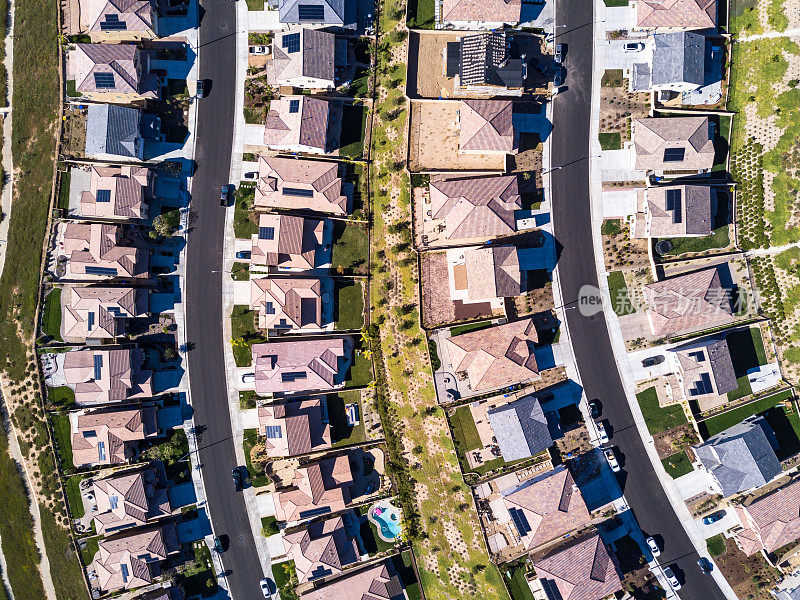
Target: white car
[612, 460]
[265, 587]
[601, 433]
[654, 549]
[259, 49]
[633, 47]
[673, 581]
[248, 378]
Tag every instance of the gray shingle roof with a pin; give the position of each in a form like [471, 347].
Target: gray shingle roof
[678, 58]
[722, 366]
[333, 11]
[520, 428]
[112, 129]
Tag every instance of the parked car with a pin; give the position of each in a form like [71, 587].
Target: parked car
[612, 460]
[266, 587]
[652, 361]
[201, 89]
[220, 544]
[236, 473]
[558, 56]
[251, 175]
[601, 433]
[248, 378]
[713, 518]
[673, 581]
[243, 254]
[634, 47]
[224, 195]
[594, 408]
[654, 549]
[558, 79]
[259, 50]
[705, 565]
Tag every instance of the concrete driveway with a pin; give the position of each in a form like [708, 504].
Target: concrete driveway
[641, 373]
[619, 203]
[617, 165]
[730, 520]
[618, 58]
[620, 18]
[693, 483]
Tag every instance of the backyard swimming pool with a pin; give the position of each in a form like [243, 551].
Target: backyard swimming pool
[387, 519]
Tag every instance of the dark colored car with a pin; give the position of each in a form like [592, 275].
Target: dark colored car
[713, 518]
[653, 361]
[594, 408]
[236, 473]
[705, 565]
[201, 88]
[221, 544]
[558, 78]
[244, 254]
[224, 195]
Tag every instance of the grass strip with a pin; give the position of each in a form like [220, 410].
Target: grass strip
[730, 418]
[65, 570]
[657, 418]
[677, 464]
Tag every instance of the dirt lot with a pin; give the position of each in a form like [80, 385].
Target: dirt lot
[674, 440]
[430, 80]
[750, 577]
[618, 106]
[74, 132]
[621, 252]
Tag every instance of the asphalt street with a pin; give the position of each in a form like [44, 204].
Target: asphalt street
[215, 115]
[589, 335]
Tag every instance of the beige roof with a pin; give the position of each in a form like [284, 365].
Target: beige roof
[492, 272]
[100, 312]
[286, 241]
[552, 506]
[124, 65]
[687, 302]
[316, 489]
[494, 11]
[130, 499]
[653, 137]
[677, 14]
[306, 126]
[105, 436]
[313, 58]
[132, 560]
[319, 179]
[294, 428]
[495, 357]
[139, 16]
[688, 211]
[299, 365]
[321, 549]
[287, 303]
[97, 245]
[581, 571]
[771, 521]
[122, 192]
[103, 376]
[486, 126]
[478, 207]
[378, 582]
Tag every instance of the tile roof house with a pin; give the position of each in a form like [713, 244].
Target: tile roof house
[130, 499]
[673, 144]
[114, 133]
[133, 559]
[479, 14]
[688, 302]
[741, 457]
[298, 124]
[543, 508]
[106, 376]
[705, 371]
[317, 489]
[100, 313]
[495, 357]
[295, 428]
[520, 428]
[321, 549]
[489, 272]
[301, 365]
[301, 184]
[679, 211]
[486, 65]
[117, 73]
[118, 20]
[771, 521]
[678, 63]
[108, 436]
[117, 192]
[476, 208]
[287, 242]
[99, 250]
[487, 126]
[303, 58]
[676, 14]
[170, 593]
[583, 570]
[287, 303]
[377, 582]
[337, 13]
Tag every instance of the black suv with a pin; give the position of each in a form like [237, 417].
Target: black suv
[236, 473]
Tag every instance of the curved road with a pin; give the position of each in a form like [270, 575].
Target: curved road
[215, 116]
[589, 335]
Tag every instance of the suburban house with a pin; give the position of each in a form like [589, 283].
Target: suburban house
[321, 549]
[485, 274]
[742, 457]
[298, 124]
[108, 436]
[676, 14]
[306, 58]
[295, 428]
[540, 510]
[105, 376]
[101, 251]
[317, 489]
[115, 20]
[132, 559]
[673, 211]
[170, 593]
[476, 208]
[487, 126]
[688, 302]
[113, 192]
[100, 313]
[377, 582]
[130, 499]
[678, 64]
[318, 13]
[704, 370]
[581, 570]
[520, 428]
[301, 365]
[114, 133]
[771, 521]
[485, 65]
[287, 303]
[302, 184]
[494, 357]
[669, 144]
[478, 14]
[287, 242]
[118, 73]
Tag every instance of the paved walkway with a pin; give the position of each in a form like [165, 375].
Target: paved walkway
[771, 250]
[7, 160]
[768, 35]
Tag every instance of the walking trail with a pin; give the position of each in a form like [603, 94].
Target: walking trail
[769, 34]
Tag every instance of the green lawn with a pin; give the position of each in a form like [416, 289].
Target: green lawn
[245, 221]
[612, 77]
[727, 419]
[718, 239]
[341, 433]
[421, 14]
[90, 549]
[743, 389]
[63, 397]
[243, 330]
[51, 315]
[351, 141]
[63, 190]
[286, 579]
[620, 300]
[459, 329]
[465, 433]
[240, 271]
[199, 577]
[72, 490]
[677, 464]
[611, 227]
[350, 248]
[360, 373]
[610, 141]
[716, 545]
[255, 4]
[65, 569]
[517, 584]
[349, 306]
[63, 439]
[657, 418]
[250, 439]
[615, 2]
[721, 141]
[269, 526]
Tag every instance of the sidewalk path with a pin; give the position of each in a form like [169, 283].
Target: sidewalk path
[771, 250]
[768, 35]
[7, 160]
